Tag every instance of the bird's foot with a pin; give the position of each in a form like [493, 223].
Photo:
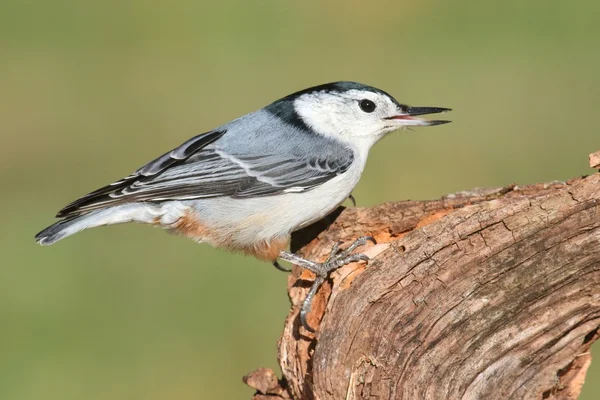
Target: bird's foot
[337, 259]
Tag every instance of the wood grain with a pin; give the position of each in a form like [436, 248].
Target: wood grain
[487, 294]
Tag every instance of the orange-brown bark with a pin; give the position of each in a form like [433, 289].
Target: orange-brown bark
[480, 295]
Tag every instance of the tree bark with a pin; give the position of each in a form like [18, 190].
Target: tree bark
[487, 294]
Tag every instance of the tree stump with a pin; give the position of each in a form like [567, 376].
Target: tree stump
[487, 294]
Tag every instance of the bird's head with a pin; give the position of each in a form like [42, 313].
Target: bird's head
[351, 111]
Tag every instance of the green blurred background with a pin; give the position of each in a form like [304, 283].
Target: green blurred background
[90, 90]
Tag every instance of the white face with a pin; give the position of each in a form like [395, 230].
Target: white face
[350, 116]
[359, 117]
[340, 114]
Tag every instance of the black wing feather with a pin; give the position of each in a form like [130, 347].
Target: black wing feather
[156, 166]
[200, 168]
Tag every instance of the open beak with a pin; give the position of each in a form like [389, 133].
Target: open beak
[408, 119]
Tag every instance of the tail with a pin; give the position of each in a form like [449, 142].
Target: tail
[108, 216]
[59, 230]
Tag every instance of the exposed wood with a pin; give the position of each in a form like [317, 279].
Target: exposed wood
[488, 294]
[595, 160]
[266, 384]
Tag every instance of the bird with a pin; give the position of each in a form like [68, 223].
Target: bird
[248, 184]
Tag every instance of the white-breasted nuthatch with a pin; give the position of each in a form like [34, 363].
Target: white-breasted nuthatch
[247, 185]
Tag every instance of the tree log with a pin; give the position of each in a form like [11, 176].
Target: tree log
[488, 294]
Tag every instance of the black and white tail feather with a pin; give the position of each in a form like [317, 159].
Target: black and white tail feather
[57, 231]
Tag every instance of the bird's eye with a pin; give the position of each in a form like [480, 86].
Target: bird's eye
[367, 105]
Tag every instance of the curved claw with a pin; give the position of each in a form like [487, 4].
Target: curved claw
[363, 257]
[307, 302]
[280, 267]
[370, 239]
[303, 321]
[361, 241]
[353, 200]
[364, 239]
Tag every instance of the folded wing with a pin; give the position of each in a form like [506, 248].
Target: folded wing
[199, 168]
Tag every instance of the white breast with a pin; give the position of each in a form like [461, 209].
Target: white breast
[250, 220]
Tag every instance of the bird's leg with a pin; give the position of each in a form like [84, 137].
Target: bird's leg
[337, 258]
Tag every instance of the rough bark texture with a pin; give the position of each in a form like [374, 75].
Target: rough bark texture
[480, 295]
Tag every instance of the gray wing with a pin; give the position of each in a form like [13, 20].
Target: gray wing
[202, 168]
